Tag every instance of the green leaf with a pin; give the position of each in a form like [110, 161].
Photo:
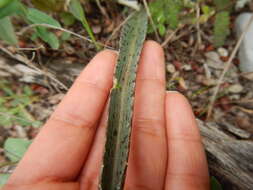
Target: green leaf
[3, 179]
[7, 31]
[222, 4]
[205, 9]
[5, 120]
[76, 9]
[48, 37]
[221, 28]
[37, 124]
[67, 18]
[65, 36]
[34, 36]
[37, 17]
[8, 91]
[15, 7]
[173, 9]
[2, 101]
[166, 13]
[27, 91]
[4, 3]
[162, 29]
[215, 185]
[15, 148]
[121, 103]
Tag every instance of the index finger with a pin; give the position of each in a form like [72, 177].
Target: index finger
[60, 149]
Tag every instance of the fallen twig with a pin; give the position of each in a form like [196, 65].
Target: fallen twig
[28, 62]
[169, 38]
[197, 26]
[102, 9]
[30, 49]
[61, 29]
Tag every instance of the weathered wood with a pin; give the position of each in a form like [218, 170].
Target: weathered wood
[229, 158]
[229, 149]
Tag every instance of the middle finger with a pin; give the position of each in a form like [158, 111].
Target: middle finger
[148, 149]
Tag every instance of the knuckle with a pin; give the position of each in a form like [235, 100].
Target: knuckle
[72, 120]
[147, 126]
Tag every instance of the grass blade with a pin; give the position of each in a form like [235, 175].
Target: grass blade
[76, 9]
[7, 32]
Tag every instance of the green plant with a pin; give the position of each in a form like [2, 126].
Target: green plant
[35, 16]
[168, 14]
[165, 13]
[76, 9]
[3, 178]
[7, 31]
[121, 102]
[221, 28]
[14, 106]
[3, 3]
[14, 149]
[14, 111]
[222, 22]
[221, 4]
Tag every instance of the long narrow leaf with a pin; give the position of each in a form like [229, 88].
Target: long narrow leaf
[7, 31]
[37, 17]
[121, 103]
[76, 9]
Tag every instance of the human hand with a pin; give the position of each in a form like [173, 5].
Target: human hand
[166, 150]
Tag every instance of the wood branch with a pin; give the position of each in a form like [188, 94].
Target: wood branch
[229, 149]
[230, 157]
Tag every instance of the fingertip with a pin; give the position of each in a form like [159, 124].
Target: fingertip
[155, 50]
[180, 120]
[178, 102]
[152, 62]
[107, 57]
[177, 95]
[156, 46]
[100, 69]
[108, 53]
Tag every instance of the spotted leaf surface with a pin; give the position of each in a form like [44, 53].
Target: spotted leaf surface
[121, 103]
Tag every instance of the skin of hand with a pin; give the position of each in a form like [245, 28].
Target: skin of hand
[166, 151]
